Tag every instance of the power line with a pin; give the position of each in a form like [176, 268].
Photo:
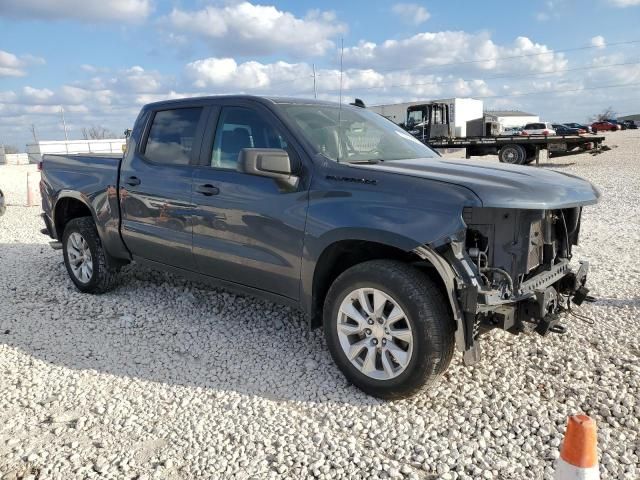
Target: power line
[544, 92]
[510, 57]
[451, 82]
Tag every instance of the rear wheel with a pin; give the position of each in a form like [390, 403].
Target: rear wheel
[388, 328]
[514, 154]
[85, 258]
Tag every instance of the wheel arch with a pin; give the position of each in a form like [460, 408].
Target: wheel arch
[69, 205]
[339, 255]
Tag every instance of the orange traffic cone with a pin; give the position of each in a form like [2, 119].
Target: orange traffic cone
[578, 455]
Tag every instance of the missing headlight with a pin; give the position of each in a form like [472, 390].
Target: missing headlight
[536, 245]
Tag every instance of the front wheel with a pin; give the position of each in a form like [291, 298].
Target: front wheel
[85, 258]
[388, 328]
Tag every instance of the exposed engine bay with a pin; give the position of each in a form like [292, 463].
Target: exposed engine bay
[512, 267]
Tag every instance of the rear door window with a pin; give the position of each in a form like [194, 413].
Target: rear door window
[172, 136]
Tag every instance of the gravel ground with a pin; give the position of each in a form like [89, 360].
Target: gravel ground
[163, 378]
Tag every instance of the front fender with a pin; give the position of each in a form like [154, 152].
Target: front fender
[392, 210]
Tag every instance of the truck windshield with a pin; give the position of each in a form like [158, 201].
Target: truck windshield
[414, 117]
[363, 136]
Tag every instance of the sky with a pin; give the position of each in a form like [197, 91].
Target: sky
[101, 60]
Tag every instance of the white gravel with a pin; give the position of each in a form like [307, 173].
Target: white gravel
[163, 378]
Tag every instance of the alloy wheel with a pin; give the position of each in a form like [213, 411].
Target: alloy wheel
[80, 259]
[375, 333]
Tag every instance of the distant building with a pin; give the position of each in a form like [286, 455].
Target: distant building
[513, 118]
[461, 110]
[105, 146]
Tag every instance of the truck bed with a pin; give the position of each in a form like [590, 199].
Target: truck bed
[96, 177]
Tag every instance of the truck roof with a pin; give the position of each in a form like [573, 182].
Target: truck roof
[258, 98]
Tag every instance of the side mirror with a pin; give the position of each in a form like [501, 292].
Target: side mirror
[265, 162]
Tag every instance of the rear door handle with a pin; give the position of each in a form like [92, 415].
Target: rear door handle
[133, 181]
[207, 190]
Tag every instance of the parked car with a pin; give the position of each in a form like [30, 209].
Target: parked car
[630, 124]
[586, 128]
[604, 126]
[538, 129]
[3, 207]
[616, 123]
[398, 254]
[565, 130]
[511, 131]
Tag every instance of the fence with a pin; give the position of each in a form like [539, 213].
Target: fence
[36, 150]
[14, 159]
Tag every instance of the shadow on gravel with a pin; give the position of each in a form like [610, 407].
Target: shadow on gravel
[619, 302]
[555, 165]
[161, 328]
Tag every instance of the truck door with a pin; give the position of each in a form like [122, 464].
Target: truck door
[155, 187]
[247, 229]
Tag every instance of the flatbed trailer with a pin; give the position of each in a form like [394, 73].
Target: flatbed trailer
[519, 149]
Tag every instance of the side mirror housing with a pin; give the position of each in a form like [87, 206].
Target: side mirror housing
[265, 162]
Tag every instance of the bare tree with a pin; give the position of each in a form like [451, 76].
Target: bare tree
[606, 114]
[11, 149]
[97, 133]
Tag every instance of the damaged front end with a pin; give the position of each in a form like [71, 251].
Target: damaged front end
[509, 267]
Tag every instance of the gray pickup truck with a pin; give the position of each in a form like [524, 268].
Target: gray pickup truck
[399, 255]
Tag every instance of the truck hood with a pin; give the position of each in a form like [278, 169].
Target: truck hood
[501, 185]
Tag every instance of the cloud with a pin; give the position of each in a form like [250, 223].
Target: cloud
[598, 41]
[624, 3]
[109, 98]
[551, 10]
[128, 80]
[137, 79]
[226, 75]
[244, 28]
[616, 75]
[458, 50]
[450, 64]
[83, 10]
[13, 66]
[411, 13]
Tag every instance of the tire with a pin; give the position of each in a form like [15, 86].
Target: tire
[101, 277]
[513, 154]
[427, 319]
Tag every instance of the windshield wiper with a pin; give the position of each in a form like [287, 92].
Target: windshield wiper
[372, 161]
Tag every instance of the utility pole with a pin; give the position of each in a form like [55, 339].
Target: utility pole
[315, 91]
[64, 124]
[33, 132]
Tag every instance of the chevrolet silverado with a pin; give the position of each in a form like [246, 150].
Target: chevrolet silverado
[399, 255]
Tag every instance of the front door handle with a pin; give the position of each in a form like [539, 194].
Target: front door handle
[207, 190]
[133, 181]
